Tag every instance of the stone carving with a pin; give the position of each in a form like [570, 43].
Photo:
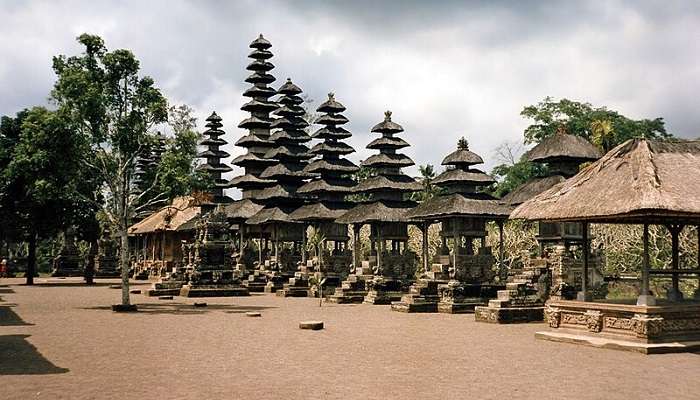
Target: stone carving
[594, 321]
[553, 316]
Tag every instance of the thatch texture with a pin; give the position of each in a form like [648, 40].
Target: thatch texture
[530, 189]
[271, 215]
[462, 157]
[473, 176]
[637, 181]
[168, 218]
[402, 183]
[387, 160]
[563, 146]
[242, 209]
[321, 211]
[328, 185]
[378, 211]
[453, 205]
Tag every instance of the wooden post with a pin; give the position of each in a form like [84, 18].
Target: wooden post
[456, 242]
[260, 248]
[356, 246]
[380, 247]
[584, 295]
[501, 251]
[675, 293]
[303, 245]
[425, 227]
[276, 244]
[644, 298]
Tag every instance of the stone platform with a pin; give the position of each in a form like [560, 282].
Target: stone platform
[352, 290]
[664, 328]
[213, 291]
[422, 297]
[164, 288]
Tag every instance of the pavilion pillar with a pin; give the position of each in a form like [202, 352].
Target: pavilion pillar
[276, 244]
[675, 293]
[645, 299]
[356, 245]
[457, 241]
[380, 247]
[425, 227]
[502, 273]
[240, 238]
[260, 248]
[584, 294]
[697, 291]
[303, 245]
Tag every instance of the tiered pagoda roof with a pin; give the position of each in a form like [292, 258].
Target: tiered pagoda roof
[257, 140]
[461, 184]
[291, 156]
[332, 183]
[563, 153]
[212, 156]
[388, 185]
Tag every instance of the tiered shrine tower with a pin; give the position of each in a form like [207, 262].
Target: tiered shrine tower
[329, 189]
[392, 268]
[212, 156]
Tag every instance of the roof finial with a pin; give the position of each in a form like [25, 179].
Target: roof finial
[289, 80]
[331, 96]
[462, 144]
[261, 36]
[387, 116]
[561, 129]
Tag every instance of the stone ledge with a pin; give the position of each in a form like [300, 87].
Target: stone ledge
[613, 344]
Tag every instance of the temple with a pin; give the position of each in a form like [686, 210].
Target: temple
[386, 272]
[457, 280]
[556, 271]
[328, 189]
[638, 182]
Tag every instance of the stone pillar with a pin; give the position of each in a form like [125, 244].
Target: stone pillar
[644, 298]
[426, 265]
[675, 293]
[456, 240]
[303, 246]
[356, 245]
[380, 247]
[501, 253]
[584, 294]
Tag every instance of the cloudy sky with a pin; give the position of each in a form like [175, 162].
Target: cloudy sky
[445, 68]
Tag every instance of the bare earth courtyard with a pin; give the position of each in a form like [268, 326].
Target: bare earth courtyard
[61, 341]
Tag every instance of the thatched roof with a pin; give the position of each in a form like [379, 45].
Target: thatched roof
[561, 146]
[328, 185]
[251, 140]
[401, 182]
[331, 105]
[249, 180]
[260, 43]
[387, 126]
[170, 217]
[276, 192]
[321, 211]
[462, 157]
[387, 160]
[378, 211]
[340, 148]
[341, 165]
[530, 189]
[285, 170]
[638, 181]
[456, 175]
[271, 215]
[387, 142]
[242, 209]
[456, 204]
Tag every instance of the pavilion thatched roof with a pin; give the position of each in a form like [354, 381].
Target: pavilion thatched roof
[530, 189]
[170, 217]
[563, 146]
[638, 181]
[471, 176]
[242, 209]
[378, 211]
[456, 204]
[324, 210]
[271, 215]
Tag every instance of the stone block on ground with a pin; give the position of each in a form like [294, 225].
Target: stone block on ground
[253, 314]
[312, 325]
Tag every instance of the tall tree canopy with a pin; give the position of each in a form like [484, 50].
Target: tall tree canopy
[601, 126]
[117, 110]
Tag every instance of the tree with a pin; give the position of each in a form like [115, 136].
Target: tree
[115, 109]
[427, 175]
[42, 177]
[603, 127]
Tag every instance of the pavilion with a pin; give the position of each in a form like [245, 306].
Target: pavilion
[638, 182]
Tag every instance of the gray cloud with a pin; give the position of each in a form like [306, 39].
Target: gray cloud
[446, 69]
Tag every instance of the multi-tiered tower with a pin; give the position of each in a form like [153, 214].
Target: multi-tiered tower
[212, 156]
[288, 175]
[329, 189]
[459, 280]
[385, 212]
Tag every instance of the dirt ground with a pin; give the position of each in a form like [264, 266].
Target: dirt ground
[62, 341]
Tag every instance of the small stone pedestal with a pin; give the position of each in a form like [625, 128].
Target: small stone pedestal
[67, 263]
[257, 281]
[424, 295]
[383, 291]
[522, 300]
[352, 290]
[460, 298]
[107, 261]
[296, 287]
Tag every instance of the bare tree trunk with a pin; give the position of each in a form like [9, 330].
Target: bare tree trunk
[124, 264]
[90, 264]
[31, 259]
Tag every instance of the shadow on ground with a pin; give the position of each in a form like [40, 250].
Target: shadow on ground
[9, 318]
[6, 290]
[19, 357]
[186, 309]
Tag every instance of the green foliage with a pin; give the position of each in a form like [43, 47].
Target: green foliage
[583, 119]
[359, 176]
[427, 175]
[515, 175]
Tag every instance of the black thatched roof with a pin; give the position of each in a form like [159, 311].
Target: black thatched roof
[462, 157]
[320, 211]
[260, 43]
[339, 148]
[530, 189]
[328, 185]
[270, 215]
[456, 204]
[378, 211]
[563, 146]
[281, 171]
[251, 140]
[387, 126]
[471, 176]
[331, 105]
[250, 180]
[387, 160]
[336, 132]
[398, 183]
[387, 143]
[242, 209]
[249, 158]
[341, 165]
[638, 181]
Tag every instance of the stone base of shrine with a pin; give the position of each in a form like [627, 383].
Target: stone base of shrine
[293, 291]
[463, 306]
[351, 291]
[415, 307]
[508, 315]
[664, 328]
[382, 297]
[65, 273]
[213, 291]
[169, 288]
[107, 274]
